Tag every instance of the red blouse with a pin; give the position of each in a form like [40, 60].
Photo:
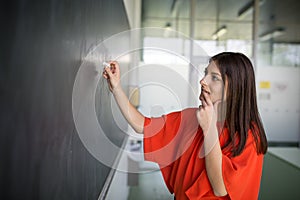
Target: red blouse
[174, 141]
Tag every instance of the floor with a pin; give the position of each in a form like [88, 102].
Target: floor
[150, 187]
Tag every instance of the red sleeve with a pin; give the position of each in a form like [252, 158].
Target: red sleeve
[158, 136]
[242, 174]
[167, 137]
[158, 133]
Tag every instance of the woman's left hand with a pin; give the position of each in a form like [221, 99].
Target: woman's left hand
[207, 113]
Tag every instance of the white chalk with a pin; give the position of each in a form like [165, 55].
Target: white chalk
[105, 64]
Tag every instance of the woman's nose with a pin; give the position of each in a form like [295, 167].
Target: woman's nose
[203, 82]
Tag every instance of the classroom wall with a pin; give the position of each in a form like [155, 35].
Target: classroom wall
[278, 101]
[42, 46]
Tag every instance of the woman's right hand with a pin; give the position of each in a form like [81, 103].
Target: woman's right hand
[131, 114]
[112, 75]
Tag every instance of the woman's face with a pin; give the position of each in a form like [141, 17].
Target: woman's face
[212, 83]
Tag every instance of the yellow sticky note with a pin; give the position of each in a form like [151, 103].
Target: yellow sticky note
[265, 84]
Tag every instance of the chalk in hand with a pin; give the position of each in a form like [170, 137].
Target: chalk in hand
[105, 64]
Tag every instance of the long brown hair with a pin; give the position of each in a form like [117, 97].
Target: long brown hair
[241, 104]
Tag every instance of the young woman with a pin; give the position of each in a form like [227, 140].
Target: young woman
[211, 152]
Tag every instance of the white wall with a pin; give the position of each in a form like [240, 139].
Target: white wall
[279, 102]
[165, 75]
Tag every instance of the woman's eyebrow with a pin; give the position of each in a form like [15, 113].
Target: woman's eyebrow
[215, 73]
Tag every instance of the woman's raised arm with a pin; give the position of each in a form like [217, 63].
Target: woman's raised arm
[131, 114]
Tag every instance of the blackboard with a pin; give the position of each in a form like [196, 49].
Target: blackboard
[43, 44]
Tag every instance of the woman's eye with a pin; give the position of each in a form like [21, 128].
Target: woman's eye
[215, 78]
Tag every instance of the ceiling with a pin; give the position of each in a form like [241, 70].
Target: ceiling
[212, 14]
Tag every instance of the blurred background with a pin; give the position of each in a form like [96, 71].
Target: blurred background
[45, 43]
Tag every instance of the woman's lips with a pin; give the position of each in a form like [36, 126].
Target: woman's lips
[202, 93]
[206, 91]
